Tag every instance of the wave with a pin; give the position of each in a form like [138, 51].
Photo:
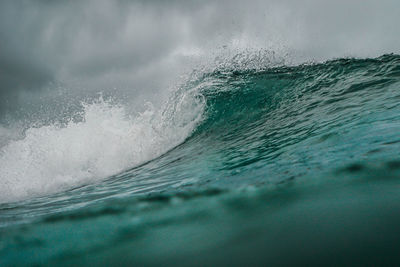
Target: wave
[238, 123]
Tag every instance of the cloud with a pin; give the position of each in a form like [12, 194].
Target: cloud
[140, 47]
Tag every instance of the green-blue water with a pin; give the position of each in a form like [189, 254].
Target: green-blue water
[289, 165]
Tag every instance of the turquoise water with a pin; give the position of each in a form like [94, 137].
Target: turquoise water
[287, 165]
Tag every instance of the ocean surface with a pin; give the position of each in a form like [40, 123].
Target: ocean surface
[244, 164]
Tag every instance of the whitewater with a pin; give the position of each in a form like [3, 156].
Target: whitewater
[105, 141]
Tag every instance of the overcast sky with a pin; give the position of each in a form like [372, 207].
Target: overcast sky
[137, 49]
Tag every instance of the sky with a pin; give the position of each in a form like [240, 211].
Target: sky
[53, 53]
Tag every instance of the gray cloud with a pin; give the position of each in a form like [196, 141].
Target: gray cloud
[141, 47]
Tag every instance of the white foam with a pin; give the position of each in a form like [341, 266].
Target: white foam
[55, 157]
